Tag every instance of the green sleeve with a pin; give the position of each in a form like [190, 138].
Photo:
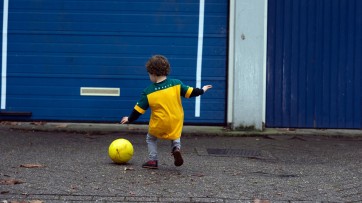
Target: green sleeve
[143, 102]
[184, 89]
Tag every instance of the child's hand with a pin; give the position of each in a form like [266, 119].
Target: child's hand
[124, 120]
[206, 87]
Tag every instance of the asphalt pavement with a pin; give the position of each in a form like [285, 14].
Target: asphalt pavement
[68, 162]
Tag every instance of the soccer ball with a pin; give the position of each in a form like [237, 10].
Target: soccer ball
[120, 151]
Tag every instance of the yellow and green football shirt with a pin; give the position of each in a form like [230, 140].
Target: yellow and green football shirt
[164, 100]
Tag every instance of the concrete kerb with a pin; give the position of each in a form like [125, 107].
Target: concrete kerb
[188, 130]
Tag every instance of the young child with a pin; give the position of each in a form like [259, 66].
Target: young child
[167, 115]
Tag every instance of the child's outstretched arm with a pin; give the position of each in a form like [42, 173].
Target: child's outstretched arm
[134, 116]
[197, 91]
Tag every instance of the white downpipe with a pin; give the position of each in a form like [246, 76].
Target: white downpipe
[265, 60]
[199, 55]
[231, 63]
[4, 54]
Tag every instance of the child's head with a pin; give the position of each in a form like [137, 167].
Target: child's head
[158, 65]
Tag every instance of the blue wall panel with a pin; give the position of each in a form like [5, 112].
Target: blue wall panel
[55, 47]
[314, 64]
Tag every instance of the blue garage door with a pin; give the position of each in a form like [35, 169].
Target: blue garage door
[314, 64]
[84, 60]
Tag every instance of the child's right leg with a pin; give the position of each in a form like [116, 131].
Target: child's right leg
[152, 152]
[176, 147]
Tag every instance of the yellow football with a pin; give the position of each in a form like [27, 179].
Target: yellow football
[120, 151]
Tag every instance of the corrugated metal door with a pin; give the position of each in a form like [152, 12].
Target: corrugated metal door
[314, 64]
[57, 47]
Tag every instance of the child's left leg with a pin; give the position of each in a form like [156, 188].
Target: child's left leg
[152, 152]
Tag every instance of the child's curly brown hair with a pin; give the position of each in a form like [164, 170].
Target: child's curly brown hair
[158, 65]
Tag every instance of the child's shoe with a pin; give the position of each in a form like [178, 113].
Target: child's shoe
[152, 164]
[177, 156]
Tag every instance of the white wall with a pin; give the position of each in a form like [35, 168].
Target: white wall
[247, 64]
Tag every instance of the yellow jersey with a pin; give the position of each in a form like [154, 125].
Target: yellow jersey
[164, 100]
